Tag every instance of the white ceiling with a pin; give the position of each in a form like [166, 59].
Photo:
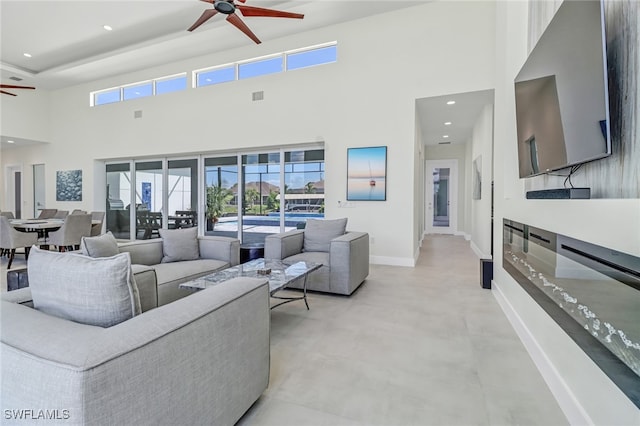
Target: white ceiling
[69, 45]
[434, 112]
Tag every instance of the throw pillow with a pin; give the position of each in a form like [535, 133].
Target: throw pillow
[179, 244]
[104, 245]
[319, 233]
[94, 291]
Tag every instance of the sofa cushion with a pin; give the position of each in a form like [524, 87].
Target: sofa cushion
[179, 244]
[319, 233]
[143, 252]
[104, 245]
[310, 256]
[145, 278]
[93, 291]
[186, 270]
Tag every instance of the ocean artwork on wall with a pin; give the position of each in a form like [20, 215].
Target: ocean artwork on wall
[367, 174]
[69, 185]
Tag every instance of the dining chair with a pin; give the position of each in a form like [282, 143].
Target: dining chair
[78, 211]
[10, 240]
[96, 228]
[8, 215]
[47, 213]
[61, 214]
[75, 227]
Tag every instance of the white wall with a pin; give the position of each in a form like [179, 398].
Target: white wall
[26, 115]
[584, 392]
[367, 98]
[480, 210]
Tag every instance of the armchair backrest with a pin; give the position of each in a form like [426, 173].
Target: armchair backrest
[61, 214]
[74, 228]
[10, 238]
[47, 213]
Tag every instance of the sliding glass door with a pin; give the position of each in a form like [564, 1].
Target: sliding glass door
[182, 197]
[260, 192]
[149, 202]
[221, 179]
[241, 195]
[304, 187]
[118, 200]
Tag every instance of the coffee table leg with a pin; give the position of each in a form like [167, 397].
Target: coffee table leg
[291, 299]
[304, 290]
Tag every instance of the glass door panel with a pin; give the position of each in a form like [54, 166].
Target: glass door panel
[39, 193]
[260, 192]
[182, 198]
[441, 197]
[148, 198]
[304, 187]
[221, 186]
[118, 199]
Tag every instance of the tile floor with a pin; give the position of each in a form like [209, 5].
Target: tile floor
[413, 346]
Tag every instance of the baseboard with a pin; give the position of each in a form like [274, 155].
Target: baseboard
[479, 252]
[462, 234]
[570, 406]
[392, 261]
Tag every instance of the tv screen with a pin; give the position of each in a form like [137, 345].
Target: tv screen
[562, 100]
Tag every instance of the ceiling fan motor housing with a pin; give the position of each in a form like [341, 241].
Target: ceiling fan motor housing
[224, 6]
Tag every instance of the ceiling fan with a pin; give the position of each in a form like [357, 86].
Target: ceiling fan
[229, 7]
[12, 86]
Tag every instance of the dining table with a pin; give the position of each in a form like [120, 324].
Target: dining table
[42, 227]
[36, 225]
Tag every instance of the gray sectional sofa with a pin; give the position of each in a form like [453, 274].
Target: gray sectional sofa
[203, 359]
[159, 282]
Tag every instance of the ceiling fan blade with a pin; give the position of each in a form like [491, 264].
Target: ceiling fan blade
[206, 15]
[237, 22]
[7, 93]
[11, 86]
[271, 13]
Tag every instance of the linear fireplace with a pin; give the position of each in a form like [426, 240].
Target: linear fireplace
[592, 292]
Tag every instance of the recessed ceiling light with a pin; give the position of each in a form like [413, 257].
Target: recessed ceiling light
[107, 27]
[445, 136]
[10, 142]
[28, 55]
[451, 102]
[447, 123]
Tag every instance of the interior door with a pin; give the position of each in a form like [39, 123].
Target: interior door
[38, 189]
[441, 212]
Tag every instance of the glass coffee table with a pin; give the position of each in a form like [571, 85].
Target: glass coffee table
[280, 274]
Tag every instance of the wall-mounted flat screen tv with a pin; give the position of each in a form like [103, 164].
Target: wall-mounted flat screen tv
[562, 98]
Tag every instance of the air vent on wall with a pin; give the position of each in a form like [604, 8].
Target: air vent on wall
[257, 96]
[14, 78]
[444, 143]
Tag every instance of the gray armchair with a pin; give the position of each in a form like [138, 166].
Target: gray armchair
[344, 255]
[10, 240]
[96, 228]
[75, 227]
[47, 213]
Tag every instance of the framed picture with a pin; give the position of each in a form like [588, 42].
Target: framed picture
[367, 174]
[476, 176]
[69, 185]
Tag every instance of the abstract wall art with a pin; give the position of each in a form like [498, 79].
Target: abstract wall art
[69, 185]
